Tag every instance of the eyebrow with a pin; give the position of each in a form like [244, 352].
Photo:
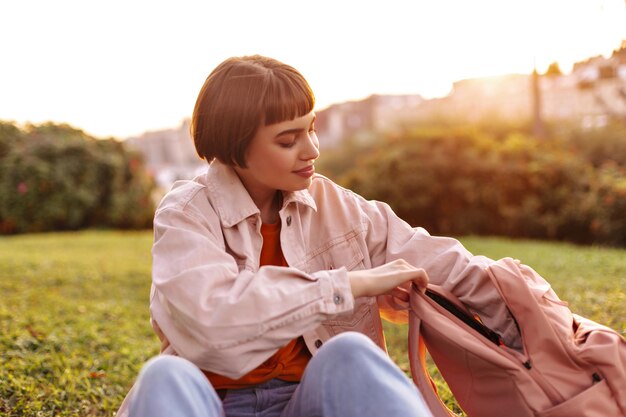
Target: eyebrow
[290, 131]
[296, 130]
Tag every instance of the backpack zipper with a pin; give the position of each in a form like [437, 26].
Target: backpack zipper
[466, 318]
[541, 380]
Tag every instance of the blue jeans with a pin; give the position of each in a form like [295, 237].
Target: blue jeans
[349, 377]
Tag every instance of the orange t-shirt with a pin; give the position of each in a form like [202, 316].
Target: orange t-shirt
[289, 362]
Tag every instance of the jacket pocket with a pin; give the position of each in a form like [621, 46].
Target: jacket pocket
[359, 320]
[338, 252]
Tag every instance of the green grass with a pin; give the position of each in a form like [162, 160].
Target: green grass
[74, 320]
[74, 323]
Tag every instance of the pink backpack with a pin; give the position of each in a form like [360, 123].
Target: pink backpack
[569, 366]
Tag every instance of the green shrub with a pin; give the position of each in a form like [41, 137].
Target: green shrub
[599, 146]
[609, 222]
[457, 181]
[54, 177]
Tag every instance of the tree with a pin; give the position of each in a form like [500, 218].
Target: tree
[553, 70]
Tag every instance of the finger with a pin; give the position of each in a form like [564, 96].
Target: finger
[423, 278]
[420, 286]
[400, 293]
[399, 299]
[421, 281]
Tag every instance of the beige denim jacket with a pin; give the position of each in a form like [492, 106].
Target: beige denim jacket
[212, 304]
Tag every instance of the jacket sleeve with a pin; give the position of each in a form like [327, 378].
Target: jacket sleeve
[445, 260]
[225, 320]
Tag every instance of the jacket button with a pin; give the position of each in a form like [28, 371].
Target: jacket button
[288, 220]
[337, 299]
[318, 343]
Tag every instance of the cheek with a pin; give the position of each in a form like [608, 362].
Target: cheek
[273, 161]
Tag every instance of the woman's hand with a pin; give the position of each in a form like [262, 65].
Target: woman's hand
[387, 279]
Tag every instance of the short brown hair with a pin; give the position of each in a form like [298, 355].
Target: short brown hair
[238, 96]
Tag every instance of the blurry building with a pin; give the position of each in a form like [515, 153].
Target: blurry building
[169, 154]
[505, 97]
[591, 95]
[360, 120]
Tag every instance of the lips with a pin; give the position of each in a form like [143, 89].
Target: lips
[306, 172]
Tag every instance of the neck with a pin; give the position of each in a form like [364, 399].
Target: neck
[269, 207]
[267, 200]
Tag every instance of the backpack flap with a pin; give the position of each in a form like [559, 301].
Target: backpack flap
[545, 324]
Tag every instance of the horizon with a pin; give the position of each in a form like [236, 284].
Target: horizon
[317, 108]
[121, 69]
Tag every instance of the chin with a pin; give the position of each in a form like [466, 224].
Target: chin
[303, 185]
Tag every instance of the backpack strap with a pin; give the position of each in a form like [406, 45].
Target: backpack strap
[419, 371]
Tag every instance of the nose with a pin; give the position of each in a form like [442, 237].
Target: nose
[311, 147]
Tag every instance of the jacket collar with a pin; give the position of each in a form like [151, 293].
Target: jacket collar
[231, 200]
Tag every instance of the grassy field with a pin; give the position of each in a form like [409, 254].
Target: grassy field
[74, 323]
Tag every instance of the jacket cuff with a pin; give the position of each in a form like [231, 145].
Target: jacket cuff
[336, 291]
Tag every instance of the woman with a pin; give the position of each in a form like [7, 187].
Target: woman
[269, 280]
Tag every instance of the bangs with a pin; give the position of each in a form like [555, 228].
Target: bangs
[288, 96]
[240, 95]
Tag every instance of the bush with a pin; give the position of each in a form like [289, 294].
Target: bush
[610, 217]
[599, 146]
[55, 177]
[461, 181]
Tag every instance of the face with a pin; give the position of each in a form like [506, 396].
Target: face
[281, 157]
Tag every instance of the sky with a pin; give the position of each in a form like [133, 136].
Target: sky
[121, 67]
